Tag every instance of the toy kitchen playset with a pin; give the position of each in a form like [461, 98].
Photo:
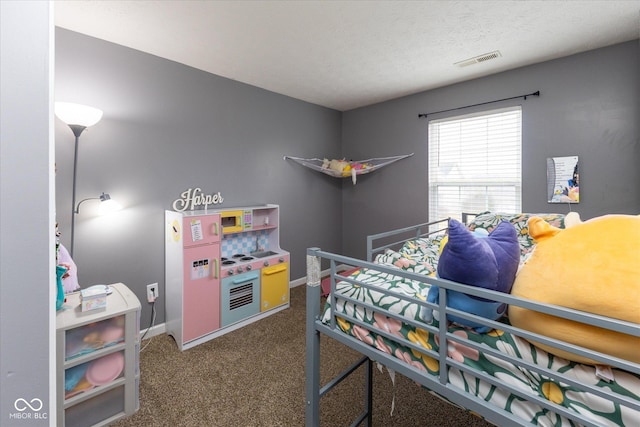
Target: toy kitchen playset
[224, 269]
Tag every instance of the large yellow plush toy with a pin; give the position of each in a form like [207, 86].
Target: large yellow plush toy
[593, 266]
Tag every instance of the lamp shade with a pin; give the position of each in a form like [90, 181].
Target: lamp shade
[77, 114]
[108, 205]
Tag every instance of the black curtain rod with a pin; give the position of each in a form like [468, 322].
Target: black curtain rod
[537, 93]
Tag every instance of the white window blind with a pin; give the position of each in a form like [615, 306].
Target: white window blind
[475, 163]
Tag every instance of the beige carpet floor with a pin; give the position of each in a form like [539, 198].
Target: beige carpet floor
[255, 376]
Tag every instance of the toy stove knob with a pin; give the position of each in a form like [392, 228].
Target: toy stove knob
[266, 263]
[248, 267]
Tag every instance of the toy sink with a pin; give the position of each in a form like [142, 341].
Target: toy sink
[262, 254]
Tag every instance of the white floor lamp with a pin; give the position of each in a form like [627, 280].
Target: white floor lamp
[78, 117]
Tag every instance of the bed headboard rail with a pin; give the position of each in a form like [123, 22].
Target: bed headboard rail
[467, 216]
[389, 240]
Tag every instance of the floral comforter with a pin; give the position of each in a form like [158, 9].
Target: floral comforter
[420, 256]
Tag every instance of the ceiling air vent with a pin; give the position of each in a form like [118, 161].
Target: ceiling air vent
[480, 58]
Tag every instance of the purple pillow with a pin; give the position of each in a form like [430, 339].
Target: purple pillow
[489, 263]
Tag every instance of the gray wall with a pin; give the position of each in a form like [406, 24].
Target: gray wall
[167, 128]
[589, 106]
[27, 285]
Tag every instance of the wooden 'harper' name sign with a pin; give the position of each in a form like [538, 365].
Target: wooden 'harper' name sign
[194, 197]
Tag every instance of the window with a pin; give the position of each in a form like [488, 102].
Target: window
[475, 163]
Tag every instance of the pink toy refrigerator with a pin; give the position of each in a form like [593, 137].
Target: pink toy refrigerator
[196, 243]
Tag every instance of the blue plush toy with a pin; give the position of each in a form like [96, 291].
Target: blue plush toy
[488, 262]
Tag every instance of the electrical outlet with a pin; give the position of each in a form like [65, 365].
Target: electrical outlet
[152, 292]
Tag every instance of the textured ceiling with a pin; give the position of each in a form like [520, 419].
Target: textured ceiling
[348, 54]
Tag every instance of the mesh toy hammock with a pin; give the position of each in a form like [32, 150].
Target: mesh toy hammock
[344, 168]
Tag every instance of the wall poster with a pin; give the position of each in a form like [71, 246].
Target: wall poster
[563, 180]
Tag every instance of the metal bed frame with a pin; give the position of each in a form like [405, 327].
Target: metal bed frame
[439, 383]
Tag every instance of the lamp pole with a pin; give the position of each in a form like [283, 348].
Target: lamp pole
[78, 117]
[77, 131]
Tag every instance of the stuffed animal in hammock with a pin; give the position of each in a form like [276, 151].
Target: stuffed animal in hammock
[489, 262]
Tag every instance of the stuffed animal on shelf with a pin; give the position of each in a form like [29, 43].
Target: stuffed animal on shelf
[488, 261]
[591, 266]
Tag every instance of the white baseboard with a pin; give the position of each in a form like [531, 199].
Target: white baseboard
[303, 280]
[161, 328]
[153, 331]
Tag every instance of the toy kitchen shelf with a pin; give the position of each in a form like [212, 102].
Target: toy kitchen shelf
[224, 269]
[98, 359]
